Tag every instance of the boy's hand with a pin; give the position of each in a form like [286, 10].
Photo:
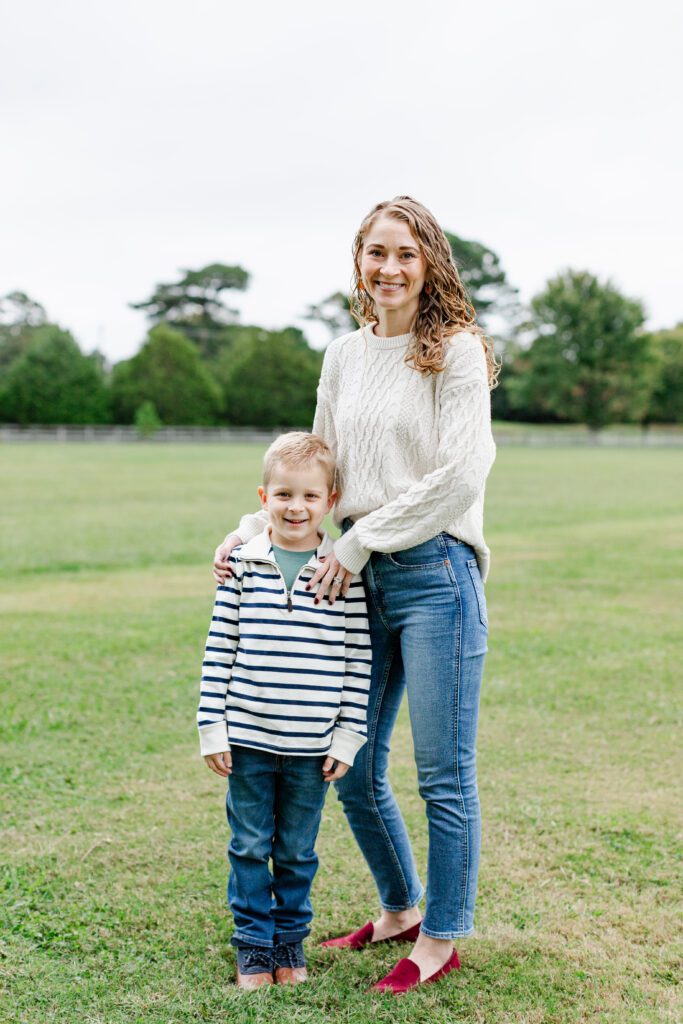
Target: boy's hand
[221, 763]
[221, 568]
[334, 769]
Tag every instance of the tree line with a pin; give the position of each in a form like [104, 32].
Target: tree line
[577, 354]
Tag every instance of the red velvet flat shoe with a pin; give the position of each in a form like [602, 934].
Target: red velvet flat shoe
[406, 975]
[363, 937]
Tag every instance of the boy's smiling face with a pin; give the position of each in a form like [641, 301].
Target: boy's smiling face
[297, 500]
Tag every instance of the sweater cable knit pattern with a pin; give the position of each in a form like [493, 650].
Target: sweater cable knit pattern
[413, 453]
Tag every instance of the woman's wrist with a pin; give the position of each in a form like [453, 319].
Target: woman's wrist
[350, 552]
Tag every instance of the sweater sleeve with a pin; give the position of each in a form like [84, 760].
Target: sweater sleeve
[323, 421]
[464, 457]
[219, 657]
[251, 525]
[350, 732]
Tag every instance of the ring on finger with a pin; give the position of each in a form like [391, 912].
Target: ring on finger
[338, 580]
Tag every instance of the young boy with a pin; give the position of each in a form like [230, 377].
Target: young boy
[282, 709]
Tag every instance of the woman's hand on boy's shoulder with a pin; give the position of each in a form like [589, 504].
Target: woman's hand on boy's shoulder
[221, 565]
[221, 763]
[331, 579]
[333, 769]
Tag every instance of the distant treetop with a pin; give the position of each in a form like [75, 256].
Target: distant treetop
[197, 298]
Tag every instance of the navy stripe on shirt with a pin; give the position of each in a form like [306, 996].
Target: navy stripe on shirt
[293, 671]
[269, 604]
[283, 750]
[302, 625]
[273, 700]
[293, 654]
[278, 732]
[281, 686]
[292, 639]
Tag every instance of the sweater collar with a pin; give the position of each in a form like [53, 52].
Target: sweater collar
[373, 340]
[260, 549]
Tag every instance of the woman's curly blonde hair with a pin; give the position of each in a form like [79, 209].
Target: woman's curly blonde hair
[444, 310]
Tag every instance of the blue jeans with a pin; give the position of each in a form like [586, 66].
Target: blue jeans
[428, 629]
[274, 805]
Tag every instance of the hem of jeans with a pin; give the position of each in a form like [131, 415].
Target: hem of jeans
[299, 936]
[247, 940]
[447, 935]
[393, 909]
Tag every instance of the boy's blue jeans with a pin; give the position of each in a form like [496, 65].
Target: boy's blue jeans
[274, 805]
[428, 627]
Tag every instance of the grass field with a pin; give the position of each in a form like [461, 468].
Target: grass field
[113, 847]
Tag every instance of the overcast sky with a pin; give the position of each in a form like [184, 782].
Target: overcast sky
[146, 136]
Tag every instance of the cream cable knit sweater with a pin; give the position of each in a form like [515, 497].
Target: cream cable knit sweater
[413, 452]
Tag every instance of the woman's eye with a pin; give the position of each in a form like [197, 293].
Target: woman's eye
[409, 255]
[375, 252]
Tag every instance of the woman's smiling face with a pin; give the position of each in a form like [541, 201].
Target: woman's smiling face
[392, 266]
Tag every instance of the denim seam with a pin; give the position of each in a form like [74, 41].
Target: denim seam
[417, 568]
[375, 587]
[368, 779]
[294, 936]
[447, 935]
[479, 594]
[405, 906]
[247, 940]
[456, 724]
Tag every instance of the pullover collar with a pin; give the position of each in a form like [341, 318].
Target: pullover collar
[260, 549]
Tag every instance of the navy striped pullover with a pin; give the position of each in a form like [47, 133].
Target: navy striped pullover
[281, 673]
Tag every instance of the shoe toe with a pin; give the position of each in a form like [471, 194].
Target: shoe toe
[406, 975]
[356, 940]
[248, 982]
[290, 975]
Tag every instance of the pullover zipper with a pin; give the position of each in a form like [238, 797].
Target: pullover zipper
[290, 605]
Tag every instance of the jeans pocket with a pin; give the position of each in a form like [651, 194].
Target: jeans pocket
[431, 554]
[475, 576]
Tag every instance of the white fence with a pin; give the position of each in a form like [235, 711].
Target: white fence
[570, 437]
[540, 436]
[126, 435]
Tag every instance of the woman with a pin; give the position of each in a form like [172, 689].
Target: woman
[404, 403]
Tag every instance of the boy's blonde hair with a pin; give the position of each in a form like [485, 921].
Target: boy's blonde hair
[297, 448]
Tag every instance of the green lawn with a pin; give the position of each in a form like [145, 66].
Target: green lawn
[113, 848]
